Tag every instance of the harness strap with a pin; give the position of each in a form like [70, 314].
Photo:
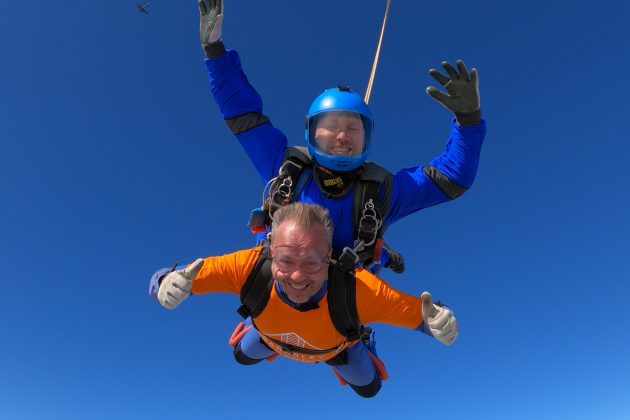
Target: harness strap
[381, 371]
[373, 188]
[300, 157]
[342, 298]
[379, 366]
[294, 173]
[342, 381]
[369, 214]
[257, 287]
[238, 333]
[341, 295]
[296, 349]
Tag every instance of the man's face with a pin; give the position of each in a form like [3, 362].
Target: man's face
[340, 133]
[299, 259]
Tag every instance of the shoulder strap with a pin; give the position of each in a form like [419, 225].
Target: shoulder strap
[369, 186]
[342, 301]
[257, 288]
[298, 152]
[294, 172]
[342, 298]
[371, 182]
[299, 169]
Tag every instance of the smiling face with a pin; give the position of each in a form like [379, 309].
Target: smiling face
[340, 133]
[299, 259]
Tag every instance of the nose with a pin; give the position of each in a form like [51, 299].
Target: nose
[342, 135]
[297, 275]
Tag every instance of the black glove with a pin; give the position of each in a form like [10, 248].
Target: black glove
[396, 261]
[463, 89]
[210, 22]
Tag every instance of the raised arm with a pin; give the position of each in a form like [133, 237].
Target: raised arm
[450, 174]
[237, 100]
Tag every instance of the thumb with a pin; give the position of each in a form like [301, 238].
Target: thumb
[191, 271]
[439, 96]
[427, 306]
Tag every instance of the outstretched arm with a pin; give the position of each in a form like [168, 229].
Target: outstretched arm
[225, 273]
[378, 301]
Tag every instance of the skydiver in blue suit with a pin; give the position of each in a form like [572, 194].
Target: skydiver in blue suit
[338, 140]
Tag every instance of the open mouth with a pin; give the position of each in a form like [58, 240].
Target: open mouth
[297, 286]
[341, 151]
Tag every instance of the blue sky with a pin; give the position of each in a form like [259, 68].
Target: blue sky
[115, 163]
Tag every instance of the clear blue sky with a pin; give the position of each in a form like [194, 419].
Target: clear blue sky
[115, 163]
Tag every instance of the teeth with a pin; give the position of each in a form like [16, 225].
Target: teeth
[298, 286]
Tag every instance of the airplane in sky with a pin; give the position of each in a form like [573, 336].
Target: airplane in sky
[143, 8]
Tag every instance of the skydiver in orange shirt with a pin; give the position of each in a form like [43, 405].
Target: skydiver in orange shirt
[296, 318]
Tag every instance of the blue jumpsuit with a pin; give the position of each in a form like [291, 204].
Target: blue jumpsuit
[412, 188]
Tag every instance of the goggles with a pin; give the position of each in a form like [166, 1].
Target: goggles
[289, 260]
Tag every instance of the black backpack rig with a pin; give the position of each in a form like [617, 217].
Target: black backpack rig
[368, 208]
[341, 297]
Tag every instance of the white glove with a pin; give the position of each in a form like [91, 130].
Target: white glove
[176, 285]
[210, 20]
[440, 320]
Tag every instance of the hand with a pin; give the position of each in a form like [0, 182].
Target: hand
[210, 20]
[176, 285]
[463, 89]
[440, 320]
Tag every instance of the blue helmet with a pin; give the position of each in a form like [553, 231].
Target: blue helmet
[339, 99]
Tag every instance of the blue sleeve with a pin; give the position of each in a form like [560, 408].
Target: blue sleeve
[424, 328]
[241, 107]
[455, 169]
[231, 90]
[156, 279]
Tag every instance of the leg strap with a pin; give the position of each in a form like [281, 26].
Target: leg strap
[238, 333]
[342, 381]
[379, 366]
[235, 340]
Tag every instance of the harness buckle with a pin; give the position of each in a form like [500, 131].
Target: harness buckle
[348, 258]
[279, 194]
[369, 224]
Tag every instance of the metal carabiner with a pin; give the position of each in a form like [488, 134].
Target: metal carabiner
[370, 216]
[284, 190]
[279, 195]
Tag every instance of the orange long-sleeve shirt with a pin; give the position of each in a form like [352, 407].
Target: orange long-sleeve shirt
[377, 301]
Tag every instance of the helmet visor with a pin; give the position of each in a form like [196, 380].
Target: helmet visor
[339, 133]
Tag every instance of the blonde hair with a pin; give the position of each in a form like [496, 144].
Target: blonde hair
[305, 215]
